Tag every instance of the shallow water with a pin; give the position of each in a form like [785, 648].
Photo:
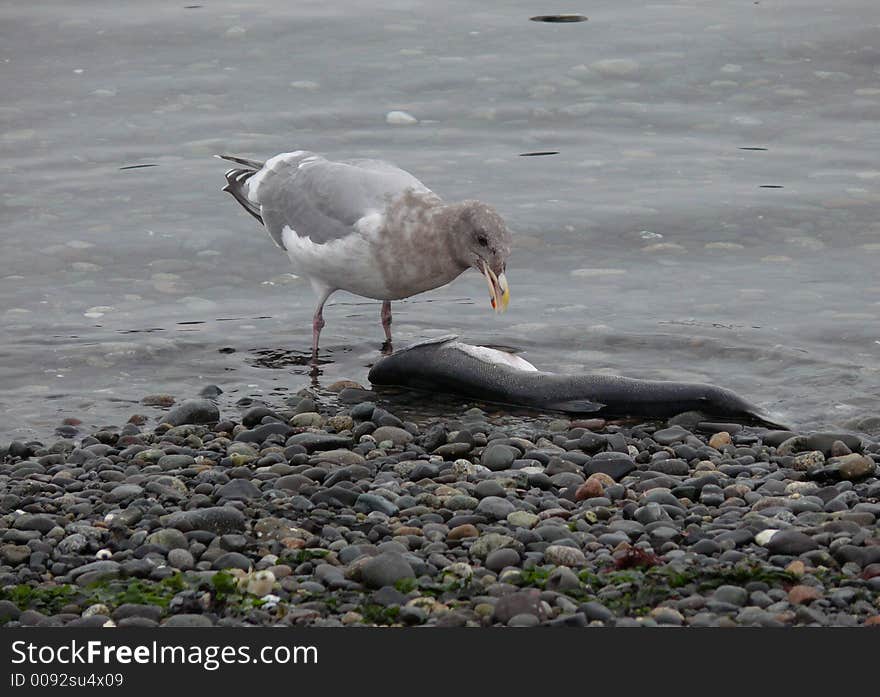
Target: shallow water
[648, 246]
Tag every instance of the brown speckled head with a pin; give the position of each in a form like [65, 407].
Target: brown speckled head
[482, 241]
[481, 235]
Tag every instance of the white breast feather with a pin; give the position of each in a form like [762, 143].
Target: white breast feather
[345, 263]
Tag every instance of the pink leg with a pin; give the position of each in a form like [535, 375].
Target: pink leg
[318, 323]
[386, 320]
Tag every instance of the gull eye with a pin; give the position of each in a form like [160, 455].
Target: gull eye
[483, 240]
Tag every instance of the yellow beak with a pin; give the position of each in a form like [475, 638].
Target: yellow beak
[499, 290]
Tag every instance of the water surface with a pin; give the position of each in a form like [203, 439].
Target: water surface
[710, 213]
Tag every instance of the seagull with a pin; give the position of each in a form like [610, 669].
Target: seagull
[369, 228]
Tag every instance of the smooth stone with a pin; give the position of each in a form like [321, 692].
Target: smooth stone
[525, 602]
[791, 542]
[255, 415]
[809, 460]
[340, 496]
[123, 492]
[731, 595]
[193, 411]
[561, 555]
[719, 439]
[667, 616]
[389, 596]
[672, 466]
[398, 436]
[126, 610]
[673, 434]
[172, 462]
[498, 457]
[706, 547]
[461, 532]
[491, 541]
[188, 620]
[591, 442]
[495, 507]
[822, 441]
[424, 470]
[319, 441]
[168, 538]
[95, 571]
[522, 519]
[563, 579]
[181, 559]
[524, 619]
[501, 558]
[8, 611]
[239, 490]
[367, 503]
[453, 450]
[219, 520]
[386, 569]
[293, 482]
[853, 467]
[461, 502]
[260, 434]
[232, 560]
[488, 487]
[594, 610]
[650, 513]
[307, 419]
[15, 554]
[615, 465]
[362, 411]
[28, 521]
[91, 621]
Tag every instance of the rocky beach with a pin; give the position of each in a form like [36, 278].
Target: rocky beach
[351, 508]
[692, 190]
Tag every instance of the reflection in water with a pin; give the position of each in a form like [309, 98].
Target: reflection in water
[278, 359]
[559, 18]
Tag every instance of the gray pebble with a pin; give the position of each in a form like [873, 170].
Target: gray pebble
[193, 411]
[385, 569]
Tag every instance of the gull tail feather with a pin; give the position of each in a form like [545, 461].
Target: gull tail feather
[237, 178]
[253, 164]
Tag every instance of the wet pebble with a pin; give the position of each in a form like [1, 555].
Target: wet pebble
[385, 569]
[193, 411]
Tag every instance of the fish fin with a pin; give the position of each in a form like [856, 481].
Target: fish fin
[576, 406]
[445, 339]
[438, 340]
[769, 421]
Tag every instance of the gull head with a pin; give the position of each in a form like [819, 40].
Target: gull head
[485, 239]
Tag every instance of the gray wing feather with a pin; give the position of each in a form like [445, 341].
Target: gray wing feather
[323, 200]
